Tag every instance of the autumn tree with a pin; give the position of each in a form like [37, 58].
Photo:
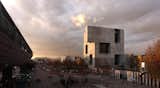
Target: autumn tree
[134, 63]
[69, 64]
[57, 63]
[81, 63]
[152, 59]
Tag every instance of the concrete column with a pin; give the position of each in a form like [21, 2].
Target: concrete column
[143, 80]
[157, 82]
[137, 77]
[153, 83]
[149, 81]
[145, 77]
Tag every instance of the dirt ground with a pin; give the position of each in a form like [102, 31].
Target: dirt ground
[43, 79]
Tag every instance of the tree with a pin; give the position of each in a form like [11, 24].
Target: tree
[133, 62]
[152, 59]
[56, 63]
[81, 63]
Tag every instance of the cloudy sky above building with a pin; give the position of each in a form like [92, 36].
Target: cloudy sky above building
[51, 28]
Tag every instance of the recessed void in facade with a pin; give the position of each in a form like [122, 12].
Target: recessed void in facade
[117, 35]
[117, 60]
[104, 48]
[86, 49]
[91, 59]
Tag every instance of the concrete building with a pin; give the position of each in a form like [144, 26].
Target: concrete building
[103, 46]
[14, 49]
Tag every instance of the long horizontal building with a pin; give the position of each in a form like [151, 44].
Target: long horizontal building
[14, 49]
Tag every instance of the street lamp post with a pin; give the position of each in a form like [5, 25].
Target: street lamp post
[142, 71]
[142, 66]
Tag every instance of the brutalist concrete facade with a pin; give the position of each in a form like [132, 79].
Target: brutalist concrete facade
[103, 46]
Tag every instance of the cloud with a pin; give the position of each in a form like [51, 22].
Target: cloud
[79, 20]
[49, 29]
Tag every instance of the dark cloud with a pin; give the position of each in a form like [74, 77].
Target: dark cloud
[47, 25]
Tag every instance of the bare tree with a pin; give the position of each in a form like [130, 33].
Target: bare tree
[152, 59]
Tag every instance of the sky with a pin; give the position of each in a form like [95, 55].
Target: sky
[55, 27]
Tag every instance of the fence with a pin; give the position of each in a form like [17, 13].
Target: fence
[138, 78]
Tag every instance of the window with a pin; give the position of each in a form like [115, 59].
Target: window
[91, 59]
[117, 60]
[104, 48]
[86, 49]
[117, 35]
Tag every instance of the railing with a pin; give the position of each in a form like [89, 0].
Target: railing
[137, 77]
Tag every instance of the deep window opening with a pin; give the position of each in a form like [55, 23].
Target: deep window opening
[117, 60]
[86, 49]
[104, 48]
[117, 36]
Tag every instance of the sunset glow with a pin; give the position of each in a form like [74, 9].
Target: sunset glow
[9, 2]
[44, 22]
[79, 20]
[79, 43]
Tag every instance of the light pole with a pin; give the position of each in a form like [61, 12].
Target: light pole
[142, 66]
[142, 71]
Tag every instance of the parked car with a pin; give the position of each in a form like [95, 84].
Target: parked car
[22, 80]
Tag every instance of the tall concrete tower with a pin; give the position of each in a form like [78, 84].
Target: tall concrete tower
[103, 46]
